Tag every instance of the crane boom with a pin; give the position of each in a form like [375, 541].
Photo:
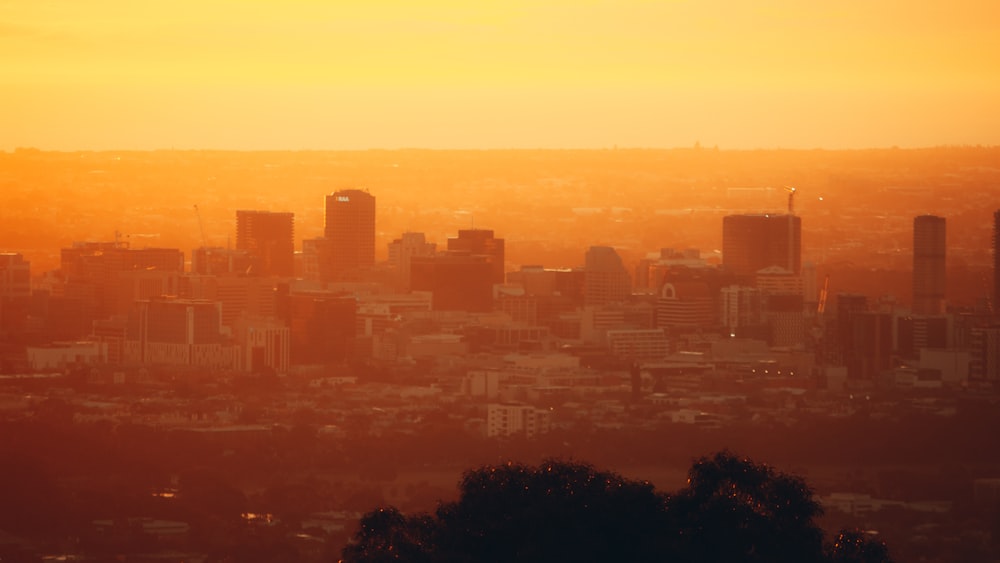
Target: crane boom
[821, 306]
[204, 242]
[201, 226]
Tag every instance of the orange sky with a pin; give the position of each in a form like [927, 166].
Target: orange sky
[292, 74]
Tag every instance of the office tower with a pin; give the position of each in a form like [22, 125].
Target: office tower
[840, 337]
[686, 304]
[742, 308]
[350, 232]
[401, 250]
[996, 262]
[918, 332]
[638, 345]
[606, 280]
[322, 327]
[984, 364]
[265, 345]
[753, 242]
[928, 265]
[15, 275]
[237, 296]
[481, 242]
[136, 285]
[269, 237]
[169, 331]
[457, 281]
[871, 345]
[653, 270]
[785, 320]
[15, 293]
[219, 261]
[102, 279]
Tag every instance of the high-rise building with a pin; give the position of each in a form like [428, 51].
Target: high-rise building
[269, 237]
[687, 305]
[401, 250]
[914, 333]
[606, 280]
[15, 275]
[265, 345]
[220, 261]
[840, 337]
[104, 277]
[742, 307]
[753, 242]
[996, 262]
[984, 364]
[172, 331]
[871, 348]
[481, 242]
[350, 232]
[15, 292]
[928, 265]
[457, 281]
[322, 327]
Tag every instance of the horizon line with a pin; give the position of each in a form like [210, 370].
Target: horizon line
[612, 148]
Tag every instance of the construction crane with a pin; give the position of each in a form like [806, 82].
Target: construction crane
[204, 241]
[791, 199]
[821, 306]
[201, 226]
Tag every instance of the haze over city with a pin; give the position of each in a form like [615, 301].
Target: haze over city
[535, 281]
[112, 74]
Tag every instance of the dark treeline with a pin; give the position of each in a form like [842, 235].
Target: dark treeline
[57, 476]
[732, 510]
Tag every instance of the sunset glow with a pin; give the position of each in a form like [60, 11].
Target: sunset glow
[110, 74]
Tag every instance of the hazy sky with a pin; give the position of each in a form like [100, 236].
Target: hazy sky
[292, 74]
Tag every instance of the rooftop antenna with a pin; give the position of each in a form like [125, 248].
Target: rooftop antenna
[791, 199]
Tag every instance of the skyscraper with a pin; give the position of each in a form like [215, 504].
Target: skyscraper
[481, 242]
[928, 265]
[996, 262]
[269, 237]
[457, 281]
[350, 232]
[606, 280]
[401, 250]
[753, 242]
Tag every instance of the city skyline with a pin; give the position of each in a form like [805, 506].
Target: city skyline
[309, 75]
[152, 406]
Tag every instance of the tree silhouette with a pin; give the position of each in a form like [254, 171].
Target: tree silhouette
[854, 546]
[385, 534]
[732, 510]
[556, 511]
[736, 510]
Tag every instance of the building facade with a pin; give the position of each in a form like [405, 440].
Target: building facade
[756, 241]
[481, 242]
[606, 280]
[929, 265]
[350, 233]
[269, 238]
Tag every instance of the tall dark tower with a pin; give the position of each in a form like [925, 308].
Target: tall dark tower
[350, 231]
[928, 265]
[996, 262]
[753, 242]
[481, 242]
[269, 238]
